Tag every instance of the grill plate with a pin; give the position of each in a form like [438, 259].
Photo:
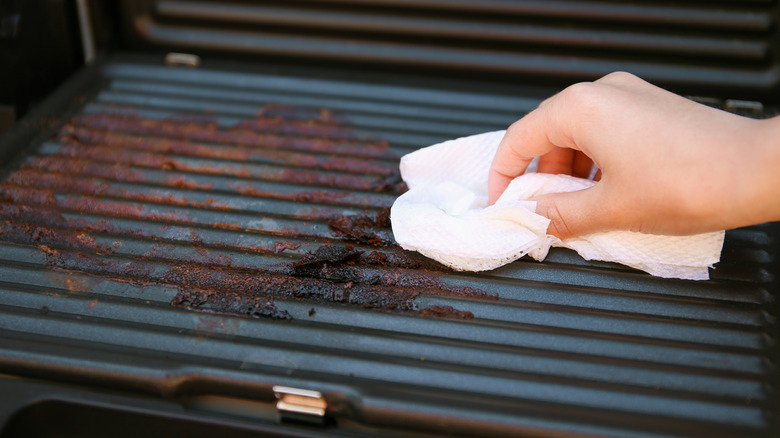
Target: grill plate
[162, 171]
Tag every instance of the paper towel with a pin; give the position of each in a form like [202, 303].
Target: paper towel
[445, 216]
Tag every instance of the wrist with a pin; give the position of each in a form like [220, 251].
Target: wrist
[761, 173]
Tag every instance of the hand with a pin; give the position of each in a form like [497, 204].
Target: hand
[668, 165]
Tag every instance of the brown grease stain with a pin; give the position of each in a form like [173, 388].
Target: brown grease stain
[102, 155]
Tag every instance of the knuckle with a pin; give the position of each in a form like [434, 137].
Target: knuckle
[515, 128]
[558, 225]
[618, 77]
[561, 227]
[580, 94]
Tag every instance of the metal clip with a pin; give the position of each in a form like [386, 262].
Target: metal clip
[294, 404]
[182, 60]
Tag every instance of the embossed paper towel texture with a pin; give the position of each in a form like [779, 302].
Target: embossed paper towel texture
[445, 216]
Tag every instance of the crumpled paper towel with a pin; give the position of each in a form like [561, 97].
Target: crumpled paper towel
[445, 216]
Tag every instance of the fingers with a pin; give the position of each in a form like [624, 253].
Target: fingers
[524, 140]
[549, 129]
[497, 183]
[558, 131]
[558, 160]
[530, 137]
[566, 161]
[582, 165]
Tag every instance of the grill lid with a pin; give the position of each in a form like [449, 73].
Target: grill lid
[726, 49]
[240, 193]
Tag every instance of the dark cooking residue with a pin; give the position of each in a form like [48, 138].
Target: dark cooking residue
[183, 201]
[363, 228]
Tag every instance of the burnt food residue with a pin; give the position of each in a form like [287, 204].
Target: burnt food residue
[290, 205]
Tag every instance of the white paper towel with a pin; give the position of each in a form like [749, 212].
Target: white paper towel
[445, 216]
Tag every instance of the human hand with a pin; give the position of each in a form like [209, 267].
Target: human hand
[668, 165]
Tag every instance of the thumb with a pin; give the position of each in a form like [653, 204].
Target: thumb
[572, 214]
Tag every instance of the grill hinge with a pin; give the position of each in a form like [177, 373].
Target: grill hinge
[302, 405]
[182, 60]
[747, 108]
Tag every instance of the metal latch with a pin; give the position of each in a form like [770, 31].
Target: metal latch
[295, 404]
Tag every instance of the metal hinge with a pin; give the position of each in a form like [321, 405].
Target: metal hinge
[295, 404]
[747, 108]
[174, 59]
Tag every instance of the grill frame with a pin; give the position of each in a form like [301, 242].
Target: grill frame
[160, 369]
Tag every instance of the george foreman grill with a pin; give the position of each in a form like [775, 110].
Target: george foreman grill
[194, 236]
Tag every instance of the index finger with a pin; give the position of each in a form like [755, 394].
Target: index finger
[525, 139]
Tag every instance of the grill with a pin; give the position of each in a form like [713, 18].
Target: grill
[206, 251]
[176, 242]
